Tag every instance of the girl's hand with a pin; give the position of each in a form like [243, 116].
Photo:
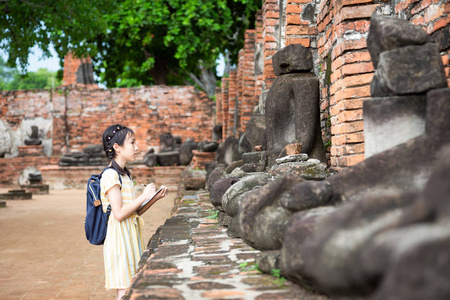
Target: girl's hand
[149, 191]
[163, 192]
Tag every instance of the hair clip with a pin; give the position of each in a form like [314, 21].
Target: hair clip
[118, 128]
[110, 150]
[114, 132]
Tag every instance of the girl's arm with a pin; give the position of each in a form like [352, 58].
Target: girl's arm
[120, 211]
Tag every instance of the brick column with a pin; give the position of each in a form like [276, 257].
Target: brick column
[259, 40]
[219, 110]
[240, 86]
[78, 72]
[225, 106]
[271, 16]
[249, 100]
[301, 27]
[346, 71]
[232, 95]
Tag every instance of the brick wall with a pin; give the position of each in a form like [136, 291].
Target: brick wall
[12, 167]
[80, 116]
[270, 36]
[75, 115]
[336, 31]
[72, 71]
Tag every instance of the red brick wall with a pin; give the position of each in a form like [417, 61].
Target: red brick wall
[71, 65]
[12, 167]
[259, 42]
[76, 177]
[249, 99]
[270, 21]
[336, 31]
[79, 117]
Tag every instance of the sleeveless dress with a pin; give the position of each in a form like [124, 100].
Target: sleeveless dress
[124, 242]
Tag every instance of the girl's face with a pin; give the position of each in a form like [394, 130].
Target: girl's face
[128, 151]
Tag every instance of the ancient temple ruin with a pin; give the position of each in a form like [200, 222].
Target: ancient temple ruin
[371, 230]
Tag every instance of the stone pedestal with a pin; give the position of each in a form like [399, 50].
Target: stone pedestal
[38, 189]
[16, 195]
[31, 150]
[200, 159]
[391, 121]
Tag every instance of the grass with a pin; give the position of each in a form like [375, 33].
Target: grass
[277, 273]
[214, 214]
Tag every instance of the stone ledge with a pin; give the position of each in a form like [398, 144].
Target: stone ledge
[192, 257]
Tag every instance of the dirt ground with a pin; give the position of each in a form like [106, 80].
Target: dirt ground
[44, 253]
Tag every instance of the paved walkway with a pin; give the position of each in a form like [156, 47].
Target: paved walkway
[44, 254]
[43, 250]
[191, 257]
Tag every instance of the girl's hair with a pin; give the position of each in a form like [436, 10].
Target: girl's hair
[115, 134]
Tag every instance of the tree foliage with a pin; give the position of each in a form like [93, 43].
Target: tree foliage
[66, 24]
[171, 40]
[131, 42]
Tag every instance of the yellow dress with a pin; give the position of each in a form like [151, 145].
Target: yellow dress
[124, 243]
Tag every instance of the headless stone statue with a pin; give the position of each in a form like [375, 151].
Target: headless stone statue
[292, 105]
[34, 137]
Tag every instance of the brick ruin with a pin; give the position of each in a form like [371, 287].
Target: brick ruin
[376, 230]
[74, 115]
[336, 32]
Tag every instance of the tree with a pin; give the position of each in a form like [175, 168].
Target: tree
[132, 42]
[66, 24]
[172, 40]
[6, 75]
[11, 79]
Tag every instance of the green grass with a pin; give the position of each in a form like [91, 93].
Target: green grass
[214, 214]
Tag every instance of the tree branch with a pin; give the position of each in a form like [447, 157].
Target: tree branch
[198, 81]
[26, 2]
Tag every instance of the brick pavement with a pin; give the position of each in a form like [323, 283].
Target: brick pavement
[44, 253]
[192, 257]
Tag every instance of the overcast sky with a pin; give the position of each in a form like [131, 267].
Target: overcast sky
[36, 61]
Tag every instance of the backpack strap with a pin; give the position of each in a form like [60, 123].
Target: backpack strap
[108, 210]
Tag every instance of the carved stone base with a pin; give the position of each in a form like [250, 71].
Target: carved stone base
[31, 150]
[200, 159]
[37, 189]
[16, 195]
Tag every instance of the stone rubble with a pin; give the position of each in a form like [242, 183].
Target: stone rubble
[192, 257]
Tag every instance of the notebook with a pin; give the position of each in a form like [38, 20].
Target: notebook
[149, 199]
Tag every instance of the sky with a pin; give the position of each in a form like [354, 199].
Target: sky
[36, 61]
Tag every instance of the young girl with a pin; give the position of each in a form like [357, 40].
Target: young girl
[124, 243]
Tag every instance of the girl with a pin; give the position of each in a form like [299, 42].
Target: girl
[124, 243]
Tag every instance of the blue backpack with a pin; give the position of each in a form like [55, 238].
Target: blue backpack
[96, 221]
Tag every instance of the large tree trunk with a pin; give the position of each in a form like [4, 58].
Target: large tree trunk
[207, 81]
[159, 72]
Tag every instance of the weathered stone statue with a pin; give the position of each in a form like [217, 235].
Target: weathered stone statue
[408, 64]
[292, 105]
[390, 225]
[34, 137]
